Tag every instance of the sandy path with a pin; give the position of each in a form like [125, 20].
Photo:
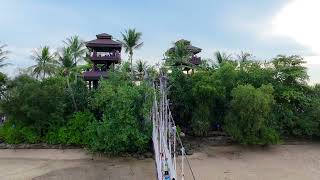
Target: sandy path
[286, 162]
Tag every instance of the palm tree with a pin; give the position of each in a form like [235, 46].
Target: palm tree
[222, 57]
[141, 68]
[77, 48]
[68, 67]
[131, 41]
[244, 56]
[179, 55]
[66, 60]
[3, 55]
[46, 63]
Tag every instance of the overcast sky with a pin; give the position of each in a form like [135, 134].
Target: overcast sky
[264, 28]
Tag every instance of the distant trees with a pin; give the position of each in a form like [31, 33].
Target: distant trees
[131, 40]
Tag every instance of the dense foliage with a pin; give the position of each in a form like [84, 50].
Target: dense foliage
[247, 120]
[254, 102]
[114, 118]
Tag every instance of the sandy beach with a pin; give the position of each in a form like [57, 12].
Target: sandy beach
[283, 162]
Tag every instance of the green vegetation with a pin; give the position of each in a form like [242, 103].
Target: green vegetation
[114, 118]
[125, 125]
[46, 63]
[50, 103]
[131, 41]
[247, 120]
[252, 101]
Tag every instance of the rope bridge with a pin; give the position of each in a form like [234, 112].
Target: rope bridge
[165, 136]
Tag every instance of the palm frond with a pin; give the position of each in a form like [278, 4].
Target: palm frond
[77, 48]
[3, 55]
[46, 62]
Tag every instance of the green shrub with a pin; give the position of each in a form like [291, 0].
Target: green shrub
[35, 104]
[16, 133]
[125, 125]
[248, 119]
[200, 122]
[74, 133]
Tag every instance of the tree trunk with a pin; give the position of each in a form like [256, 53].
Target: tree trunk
[131, 54]
[75, 60]
[72, 94]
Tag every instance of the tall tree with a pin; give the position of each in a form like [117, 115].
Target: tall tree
[244, 56]
[179, 55]
[68, 67]
[3, 55]
[131, 41]
[222, 57]
[141, 68]
[248, 120]
[77, 48]
[46, 63]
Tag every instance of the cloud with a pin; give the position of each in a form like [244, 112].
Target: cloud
[299, 20]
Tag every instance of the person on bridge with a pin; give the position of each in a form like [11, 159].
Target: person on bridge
[166, 170]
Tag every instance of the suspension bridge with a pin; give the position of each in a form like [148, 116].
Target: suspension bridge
[165, 138]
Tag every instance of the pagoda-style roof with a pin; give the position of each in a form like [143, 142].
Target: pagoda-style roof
[103, 41]
[192, 49]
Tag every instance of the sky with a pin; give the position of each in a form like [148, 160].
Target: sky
[264, 28]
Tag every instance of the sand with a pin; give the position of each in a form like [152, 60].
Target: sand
[283, 162]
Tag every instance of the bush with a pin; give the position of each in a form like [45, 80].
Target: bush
[201, 122]
[34, 104]
[180, 95]
[125, 125]
[206, 89]
[74, 133]
[79, 91]
[249, 118]
[16, 133]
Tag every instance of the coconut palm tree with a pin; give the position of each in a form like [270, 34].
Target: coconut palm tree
[140, 68]
[131, 41]
[66, 60]
[77, 48]
[46, 63]
[179, 55]
[3, 55]
[222, 57]
[68, 67]
[244, 56]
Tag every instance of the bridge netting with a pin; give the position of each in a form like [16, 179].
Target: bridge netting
[165, 137]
